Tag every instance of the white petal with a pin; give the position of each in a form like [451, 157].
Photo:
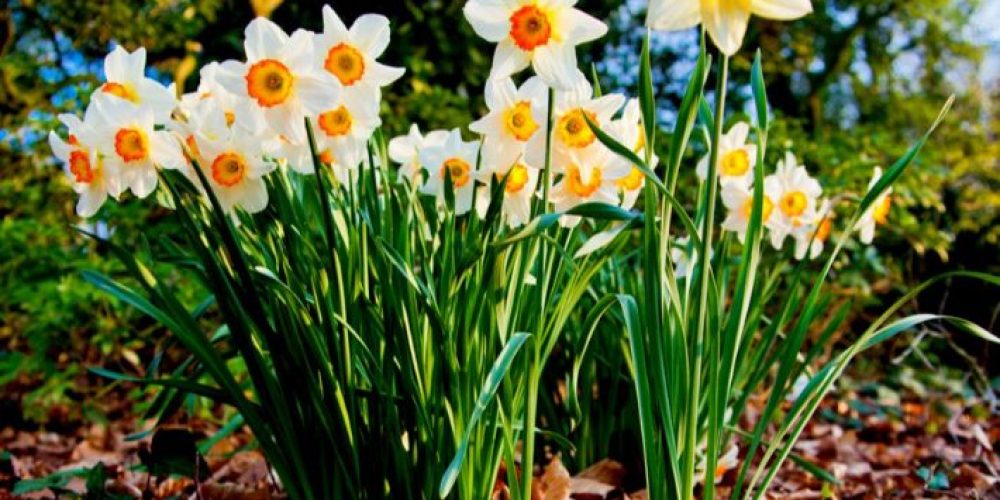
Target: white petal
[116, 65]
[726, 22]
[555, 63]
[381, 75]
[60, 148]
[490, 19]
[90, 202]
[142, 180]
[254, 196]
[297, 54]
[370, 33]
[582, 27]
[317, 92]
[332, 25]
[264, 39]
[781, 9]
[166, 151]
[159, 98]
[500, 93]
[673, 14]
[232, 77]
[508, 59]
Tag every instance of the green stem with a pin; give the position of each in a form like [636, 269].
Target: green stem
[703, 273]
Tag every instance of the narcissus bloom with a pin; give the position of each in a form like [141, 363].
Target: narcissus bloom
[725, 20]
[796, 199]
[540, 33]
[571, 135]
[457, 159]
[405, 151]
[132, 146]
[239, 111]
[629, 129]
[877, 213]
[343, 131]
[517, 193]
[349, 55]
[234, 166]
[280, 77]
[588, 178]
[736, 157]
[516, 115]
[811, 238]
[89, 175]
[125, 79]
[738, 199]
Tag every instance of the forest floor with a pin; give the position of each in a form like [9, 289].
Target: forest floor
[873, 443]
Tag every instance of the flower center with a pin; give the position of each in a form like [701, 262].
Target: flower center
[573, 129]
[517, 178]
[530, 27]
[346, 63]
[632, 181]
[881, 212]
[119, 90]
[79, 166]
[458, 169]
[748, 208]
[735, 163]
[336, 122]
[793, 203]
[131, 144]
[269, 82]
[228, 169]
[576, 184]
[519, 121]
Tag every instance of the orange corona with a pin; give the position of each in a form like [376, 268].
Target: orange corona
[228, 169]
[131, 144]
[519, 121]
[458, 169]
[768, 208]
[517, 178]
[573, 130]
[530, 27]
[794, 203]
[735, 163]
[117, 89]
[346, 63]
[269, 82]
[632, 181]
[79, 166]
[576, 185]
[881, 212]
[336, 122]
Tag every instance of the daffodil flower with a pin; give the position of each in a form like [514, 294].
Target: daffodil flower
[239, 111]
[591, 177]
[571, 135]
[877, 213]
[457, 159]
[125, 79]
[234, 165]
[796, 200]
[405, 151]
[280, 77]
[725, 20]
[516, 115]
[738, 199]
[811, 238]
[542, 34]
[518, 192]
[92, 178]
[342, 132]
[131, 145]
[350, 55]
[629, 128]
[736, 157]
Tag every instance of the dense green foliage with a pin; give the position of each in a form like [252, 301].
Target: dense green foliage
[860, 77]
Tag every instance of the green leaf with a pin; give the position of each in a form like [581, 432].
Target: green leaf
[493, 379]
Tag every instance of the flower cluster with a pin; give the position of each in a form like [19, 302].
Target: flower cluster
[245, 119]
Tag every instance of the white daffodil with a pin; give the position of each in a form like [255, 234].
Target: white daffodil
[725, 20]
[280, 77]
[796, 199]
[728, 461]
[125, 77]
[516, 114]
[877, 213]
[736, 157]
[234, 166]
[738, 199]
[132, 146]
[343, 131]
[89, 175]
[811, 238]
[517, 193]
[629, 129]
[198, 107]
[684, 256]
[571, 135]
[405, 151]
[588, 178]
[457, 159]
[542, 34]
[349, 55]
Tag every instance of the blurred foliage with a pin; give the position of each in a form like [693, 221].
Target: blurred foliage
[852, 86]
